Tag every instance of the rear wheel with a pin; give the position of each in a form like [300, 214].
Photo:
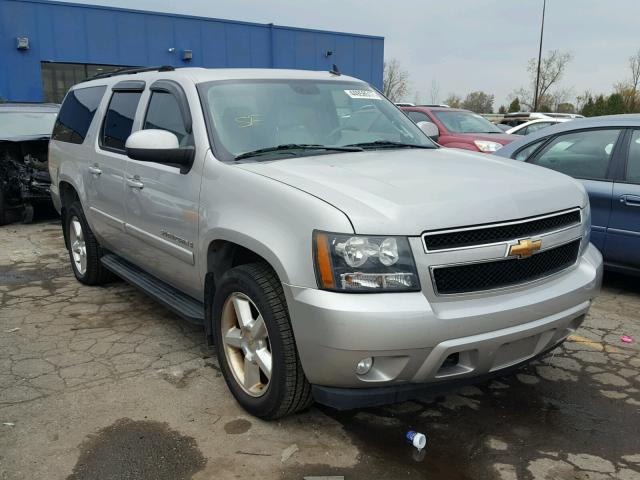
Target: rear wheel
[255, 343]
[84, 249]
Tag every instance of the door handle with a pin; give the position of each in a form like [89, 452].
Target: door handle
[134, 182]
[95, 170]
[630, 200]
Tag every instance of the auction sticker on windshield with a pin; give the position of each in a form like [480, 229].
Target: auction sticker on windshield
[366, 94]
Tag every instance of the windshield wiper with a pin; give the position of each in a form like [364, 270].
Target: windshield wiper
[387, 144]
[296, 146]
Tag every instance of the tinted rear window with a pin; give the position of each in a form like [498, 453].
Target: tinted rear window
[76, 114]
[118, 121]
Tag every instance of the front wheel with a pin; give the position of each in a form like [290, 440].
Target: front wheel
[255, 344]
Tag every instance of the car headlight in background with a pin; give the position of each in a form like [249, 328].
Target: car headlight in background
[586, 225]
[487, 146]
[363, 263]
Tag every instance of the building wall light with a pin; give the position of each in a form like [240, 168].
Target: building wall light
[22, 43]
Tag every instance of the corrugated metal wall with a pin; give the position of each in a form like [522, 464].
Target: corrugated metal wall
[70, 33]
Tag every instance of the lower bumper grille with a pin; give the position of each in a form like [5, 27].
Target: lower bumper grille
[477, 277]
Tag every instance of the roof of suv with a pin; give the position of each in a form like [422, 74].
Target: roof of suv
[199, 75]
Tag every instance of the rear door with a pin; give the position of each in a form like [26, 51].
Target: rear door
[587, 155]
[623, 235]
[105, 184]
[162, 200]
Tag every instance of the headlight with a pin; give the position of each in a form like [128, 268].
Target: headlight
[358, 263]
[586, 225]
[487, 146]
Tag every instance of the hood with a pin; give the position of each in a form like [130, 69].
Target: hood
[405, 192]
[502, 138]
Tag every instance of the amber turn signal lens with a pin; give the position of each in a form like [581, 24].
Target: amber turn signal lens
[323, 259]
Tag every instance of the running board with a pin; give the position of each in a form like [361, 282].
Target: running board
[172, 298]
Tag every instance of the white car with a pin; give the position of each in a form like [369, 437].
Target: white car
[535, 125]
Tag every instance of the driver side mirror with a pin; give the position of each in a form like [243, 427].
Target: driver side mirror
[429, 129]
[159, 146]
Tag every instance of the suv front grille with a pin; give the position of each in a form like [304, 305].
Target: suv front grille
[475, 277]
[500, 233]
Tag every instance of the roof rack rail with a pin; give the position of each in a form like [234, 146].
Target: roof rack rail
[131, 71]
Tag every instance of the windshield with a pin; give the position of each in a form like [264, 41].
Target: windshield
[465, 122]
[251, 115]
[24, 124]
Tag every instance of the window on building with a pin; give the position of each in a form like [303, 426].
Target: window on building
[58, 78]
[118, 120]
[164, 114]
[76, 114]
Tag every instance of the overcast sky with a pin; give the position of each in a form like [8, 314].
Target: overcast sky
[464, 45]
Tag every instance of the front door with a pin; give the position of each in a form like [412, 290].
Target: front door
[623, 235]
[162, 201]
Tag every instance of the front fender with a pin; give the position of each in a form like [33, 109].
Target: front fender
[268, 217]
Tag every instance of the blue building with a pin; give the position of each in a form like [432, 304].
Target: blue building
[45, 47]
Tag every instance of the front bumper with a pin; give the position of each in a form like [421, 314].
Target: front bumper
[414, 341]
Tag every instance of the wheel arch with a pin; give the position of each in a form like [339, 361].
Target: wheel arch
[68, 194]
[226, 252]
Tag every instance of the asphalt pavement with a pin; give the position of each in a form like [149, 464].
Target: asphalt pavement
[102, 382]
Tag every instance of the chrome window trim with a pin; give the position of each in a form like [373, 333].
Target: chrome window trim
[432, 268]
[501, 224]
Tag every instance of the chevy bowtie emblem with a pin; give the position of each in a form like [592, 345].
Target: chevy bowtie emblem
[525, 248]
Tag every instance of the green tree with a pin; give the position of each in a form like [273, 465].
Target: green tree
[589, 107]
[514, 106]
[479, 102]
[615, 104]
[453, 100]
[600, 106]
[502, 110]
[566, 107]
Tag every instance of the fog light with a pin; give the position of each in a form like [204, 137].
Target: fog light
[364, 366]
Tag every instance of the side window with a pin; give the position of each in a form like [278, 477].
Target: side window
[580, 154]
[76, 114]
[118, 120]
[526, 152]
[633, 163]
[163, 113]
[523, 131]
[418, 116]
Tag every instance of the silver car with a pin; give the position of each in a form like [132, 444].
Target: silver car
[330, 249]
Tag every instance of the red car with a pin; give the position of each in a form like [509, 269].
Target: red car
[459, 128]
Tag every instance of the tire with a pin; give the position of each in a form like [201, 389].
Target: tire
[94, 273]
[287, 390]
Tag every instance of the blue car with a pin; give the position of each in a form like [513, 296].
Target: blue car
[604, 154]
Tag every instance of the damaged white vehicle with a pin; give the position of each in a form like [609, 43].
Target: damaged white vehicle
[25, 129]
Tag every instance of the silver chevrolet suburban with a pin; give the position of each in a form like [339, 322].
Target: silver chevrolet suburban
[330, 249]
